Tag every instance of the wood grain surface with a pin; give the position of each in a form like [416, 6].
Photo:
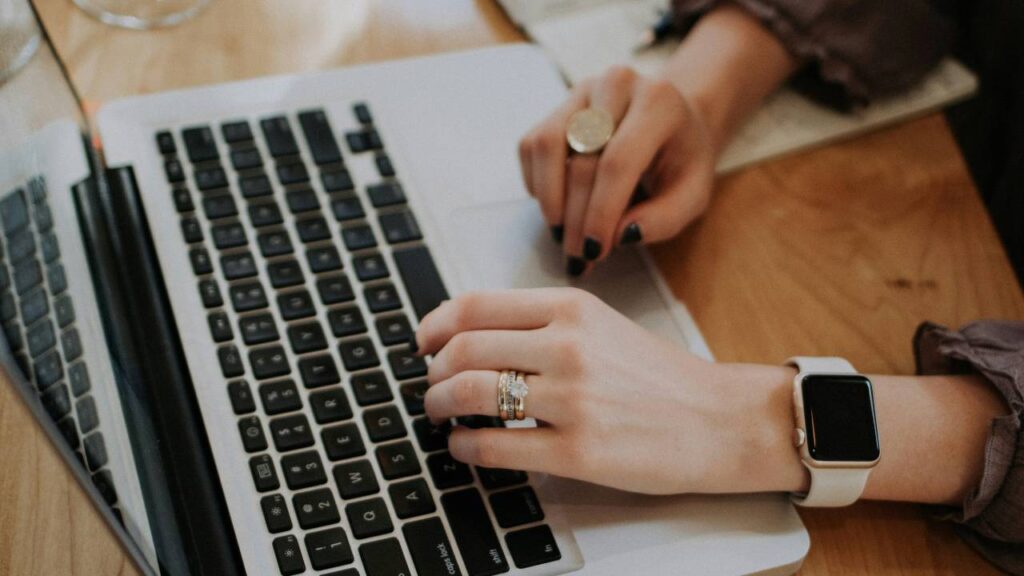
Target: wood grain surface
[842, 250]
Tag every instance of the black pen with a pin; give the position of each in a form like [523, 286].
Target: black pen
[661, 29]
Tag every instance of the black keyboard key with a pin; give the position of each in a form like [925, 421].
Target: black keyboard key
[183, 200]
[398, 460]
[200, 144]
[448, 472]
[313, 229]
[382, 298]
[334, 288]
[394, 329]
[280, 139]
[302, 201]
[307, 337]
[303, 470]
[384, 423]
[346, 321]
[191, 230]
[275, 513]
[95, 452]
[248, 296]
[516, 507]
[40, 338]
[56, 278]
[269, 362]
[56, 401]
[291, 432]
[369, 518]
[337, 180]
[43, 217]
[355, 479]
[275, 243]
[255, 186]
[328, 549]
[48, 369]
[405, 364]
[88, 417]
[474, 534]
[362, 112]
[289, 555]
[412, 396]
[28, 275]
[8, 307]
[358, 237]
[219, 206]
[34, 306]
[174, 171]
[238, 266]
[37, 189]
[236, 131]
[370, 267]
[494, 478]
[230, 361]
[264, 476]
[319, 137]
[211, 178]
[258, 329]
[384, 166]
[343, 442]
[21, 245]
[478, 421]
[411, 498]
[323, 259]
[241, 397]
[296, 304]
[210, 294]
[386, 194]
[430, 436]
[383, 558]
[284, 273]
[265, 214]
[78, 376]
[252, 434]
[316, 508]
[49, 247]
[71, 344]
[400, 227]
[330, 406]
[371, 388]
[532, 546]
[318, 370]
[104, 482]
[292, 173]
[358, 354]
[422, 281]
[165, 142]
[280, 397]
[64, 311]
[347, 208]
[432, 553]
[246, 158]
[230, 235]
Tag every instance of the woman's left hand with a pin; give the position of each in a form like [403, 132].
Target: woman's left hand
[615, 404]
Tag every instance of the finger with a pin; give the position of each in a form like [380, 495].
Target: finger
[475, 392]
[548, 151]
[530, 449]
[581, 170]
[521, 350]
[497, 310]
[648, 124]
[663, 216]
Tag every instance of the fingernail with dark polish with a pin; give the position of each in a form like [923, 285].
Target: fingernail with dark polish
[557, 232]
[631, 235]
[413, 346]
[575, 266]
[591, 248]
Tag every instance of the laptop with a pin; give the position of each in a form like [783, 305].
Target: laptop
[207, 298]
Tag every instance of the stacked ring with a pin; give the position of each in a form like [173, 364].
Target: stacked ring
[512, 390]
[505, 404]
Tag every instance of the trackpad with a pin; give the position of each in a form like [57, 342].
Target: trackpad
[508, 245]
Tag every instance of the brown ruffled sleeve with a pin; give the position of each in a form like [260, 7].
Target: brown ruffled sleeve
[855, 50]
[992, 519]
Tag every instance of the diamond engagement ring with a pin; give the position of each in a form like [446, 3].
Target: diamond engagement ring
[512, 391]
[518, 390]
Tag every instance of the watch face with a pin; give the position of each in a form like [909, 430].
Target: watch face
[839, 413]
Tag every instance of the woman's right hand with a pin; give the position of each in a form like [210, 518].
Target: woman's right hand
[660, 141]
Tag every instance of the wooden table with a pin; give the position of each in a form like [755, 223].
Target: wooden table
[843, 250]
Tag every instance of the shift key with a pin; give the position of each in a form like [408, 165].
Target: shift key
[474, 533]
[431, 552]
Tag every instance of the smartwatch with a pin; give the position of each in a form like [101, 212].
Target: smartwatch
[836, 430]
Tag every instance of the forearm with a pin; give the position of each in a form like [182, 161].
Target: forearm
[932, 431]
[725, 66]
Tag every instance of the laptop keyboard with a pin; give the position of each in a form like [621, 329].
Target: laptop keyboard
[347, 465]
[39, 322]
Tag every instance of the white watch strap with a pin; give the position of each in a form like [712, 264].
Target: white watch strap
[830, 487]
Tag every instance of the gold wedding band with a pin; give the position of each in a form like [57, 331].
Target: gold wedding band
[589, 130]
[512, 391]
